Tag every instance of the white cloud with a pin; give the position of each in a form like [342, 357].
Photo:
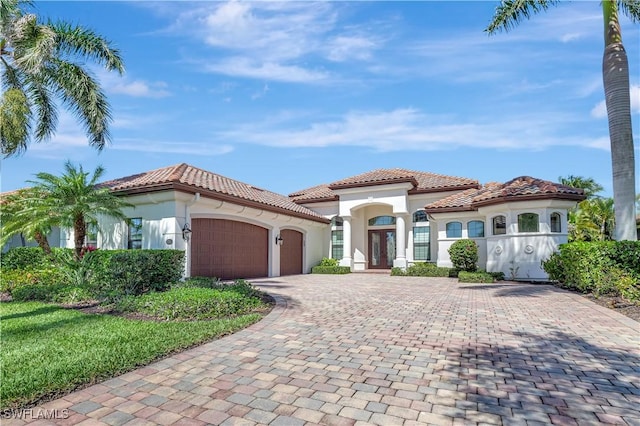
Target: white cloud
[246, 67]
[172, 147]
[140, 89]
[275, 40]
[409, 129]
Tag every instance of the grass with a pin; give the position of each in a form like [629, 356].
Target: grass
[48, 351]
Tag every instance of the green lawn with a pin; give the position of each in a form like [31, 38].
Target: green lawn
[47, 350]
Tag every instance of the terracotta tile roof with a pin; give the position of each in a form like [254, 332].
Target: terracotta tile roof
[184, 176]
[315, 193]
[523, 187]
[421, 181]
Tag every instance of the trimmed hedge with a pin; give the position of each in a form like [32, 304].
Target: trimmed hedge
[134, 271]
[475, 277]
[599, 267]
[336, 270]
[422, 269]
[30, 258]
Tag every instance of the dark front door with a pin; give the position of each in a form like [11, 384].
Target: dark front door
[382, 248]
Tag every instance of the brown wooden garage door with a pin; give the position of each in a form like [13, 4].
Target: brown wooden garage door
[228, 249]
[291, 252]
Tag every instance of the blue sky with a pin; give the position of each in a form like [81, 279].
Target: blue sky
[287, 95]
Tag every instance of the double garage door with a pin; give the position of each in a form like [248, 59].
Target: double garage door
[229, 249]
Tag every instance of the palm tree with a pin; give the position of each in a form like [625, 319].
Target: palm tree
[595, 220]
[615, 69]
[72, 200]
[17, 219]
[590, 187]
[42, 63]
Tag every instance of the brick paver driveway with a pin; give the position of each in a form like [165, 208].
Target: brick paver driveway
[374, 349]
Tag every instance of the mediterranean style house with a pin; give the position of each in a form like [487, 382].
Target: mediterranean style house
[375, 220]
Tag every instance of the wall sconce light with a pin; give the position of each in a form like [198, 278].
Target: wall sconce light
[186, 232]
[279, 240]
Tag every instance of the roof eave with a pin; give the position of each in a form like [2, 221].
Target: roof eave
[445, 189]
[374, 183]
[510, 198]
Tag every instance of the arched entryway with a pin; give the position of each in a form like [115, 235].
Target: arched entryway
[290, 252]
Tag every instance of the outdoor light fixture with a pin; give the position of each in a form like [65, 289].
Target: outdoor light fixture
[186, 232]
[279, 240]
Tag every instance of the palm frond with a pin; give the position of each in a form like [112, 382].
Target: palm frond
[511, 12]
[46, 113]
[81, 93]
[76, 40]
[15, 122]
[33, 44]
[631, 8]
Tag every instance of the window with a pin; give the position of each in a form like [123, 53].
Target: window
[420, 216]
[91, 238]
[135, 233]
[528, 222]
[555, 222]
[454, 230]
[382, 220]
[475, 229]
[499, 225]
[337, 238]
[421, 248]
[337, 221]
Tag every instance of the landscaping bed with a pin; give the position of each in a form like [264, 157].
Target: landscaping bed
[51, 349]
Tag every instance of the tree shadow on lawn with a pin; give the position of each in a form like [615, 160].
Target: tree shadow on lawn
[49, 326]
[536, 376]
[39, 311]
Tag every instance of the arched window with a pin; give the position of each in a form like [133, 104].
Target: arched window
[555, 222]
[382, 220]
[454, 230]
[475, 229]
[528, 222]
[420, 216]
[337, 238]
[499, 225]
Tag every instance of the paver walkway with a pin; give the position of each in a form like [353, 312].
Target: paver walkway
[375, 349]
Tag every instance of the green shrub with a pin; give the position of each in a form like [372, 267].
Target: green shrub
[326, 261]
[336, 270]
[422, 269]
[475, 277]
[600, 267]
[134, 271]
[464, 255]
[201, 282]
[30, 258]
[13, 279]
[498, 276]
[39, 292]
[72, 294]
[193, 303]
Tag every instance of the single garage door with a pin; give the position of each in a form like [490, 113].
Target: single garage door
[228, 249]
[291, 252]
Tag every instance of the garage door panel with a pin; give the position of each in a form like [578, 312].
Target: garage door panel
[229, 249]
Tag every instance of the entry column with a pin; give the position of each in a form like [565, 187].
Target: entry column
[346, 242]
[401, 242]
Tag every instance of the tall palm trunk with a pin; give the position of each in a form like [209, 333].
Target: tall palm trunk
[615, 72]
[42, 241]
[79, 232]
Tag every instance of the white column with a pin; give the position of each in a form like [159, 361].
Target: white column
[347, 260]
[401, 242]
